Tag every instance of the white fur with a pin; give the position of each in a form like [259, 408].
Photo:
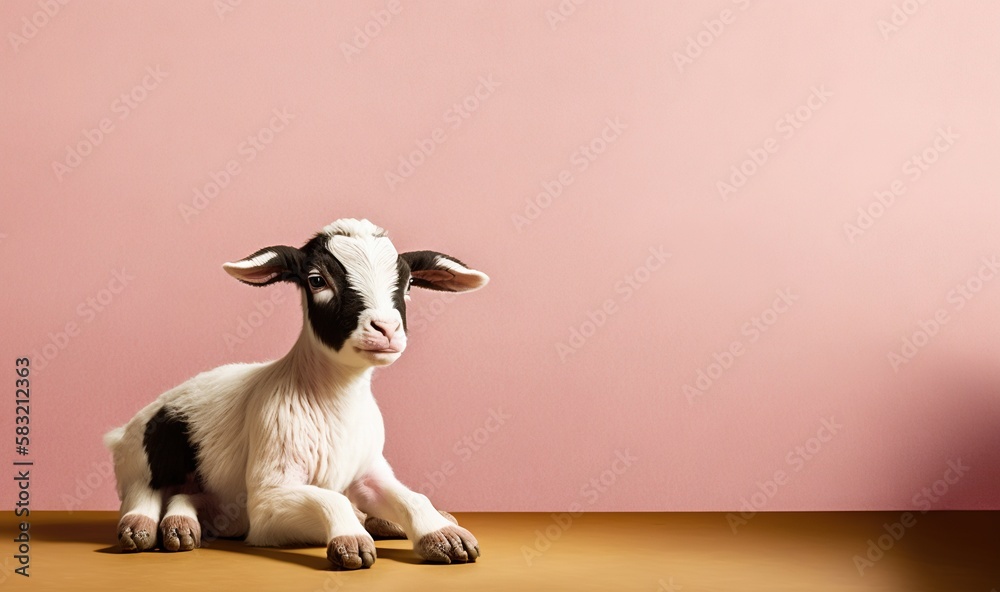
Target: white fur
[252, 262]
[299, 438]
[371, 268]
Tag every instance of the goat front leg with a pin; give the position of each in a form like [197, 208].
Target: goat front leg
[285, 515]
[435, 538]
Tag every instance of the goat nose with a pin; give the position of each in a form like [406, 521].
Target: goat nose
[385, 328]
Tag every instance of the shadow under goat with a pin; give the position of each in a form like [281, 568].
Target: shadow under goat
[290, 451]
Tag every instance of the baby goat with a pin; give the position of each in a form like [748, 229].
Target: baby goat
[283, 452]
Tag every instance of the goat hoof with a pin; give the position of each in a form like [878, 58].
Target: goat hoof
[380, 528]
[451, 544]
[136, 533]
[180, 533]
[352, 551]
[383, 529]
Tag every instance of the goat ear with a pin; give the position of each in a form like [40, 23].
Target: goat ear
[437, 271]
[267, 266]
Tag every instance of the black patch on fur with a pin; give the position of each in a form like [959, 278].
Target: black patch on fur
[171, 456]
[402, 288]
[421, 260]
[424, 260]
[333, 321]
[287, 265]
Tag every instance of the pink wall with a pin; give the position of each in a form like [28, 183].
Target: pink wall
[666, 121]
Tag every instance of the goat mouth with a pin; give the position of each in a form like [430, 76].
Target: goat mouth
[383, 350]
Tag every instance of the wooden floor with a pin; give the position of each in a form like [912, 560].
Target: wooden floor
[814, 552]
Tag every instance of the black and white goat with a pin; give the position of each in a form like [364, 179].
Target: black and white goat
[286, 451]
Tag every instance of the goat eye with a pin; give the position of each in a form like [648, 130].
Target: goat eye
[317, 282]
